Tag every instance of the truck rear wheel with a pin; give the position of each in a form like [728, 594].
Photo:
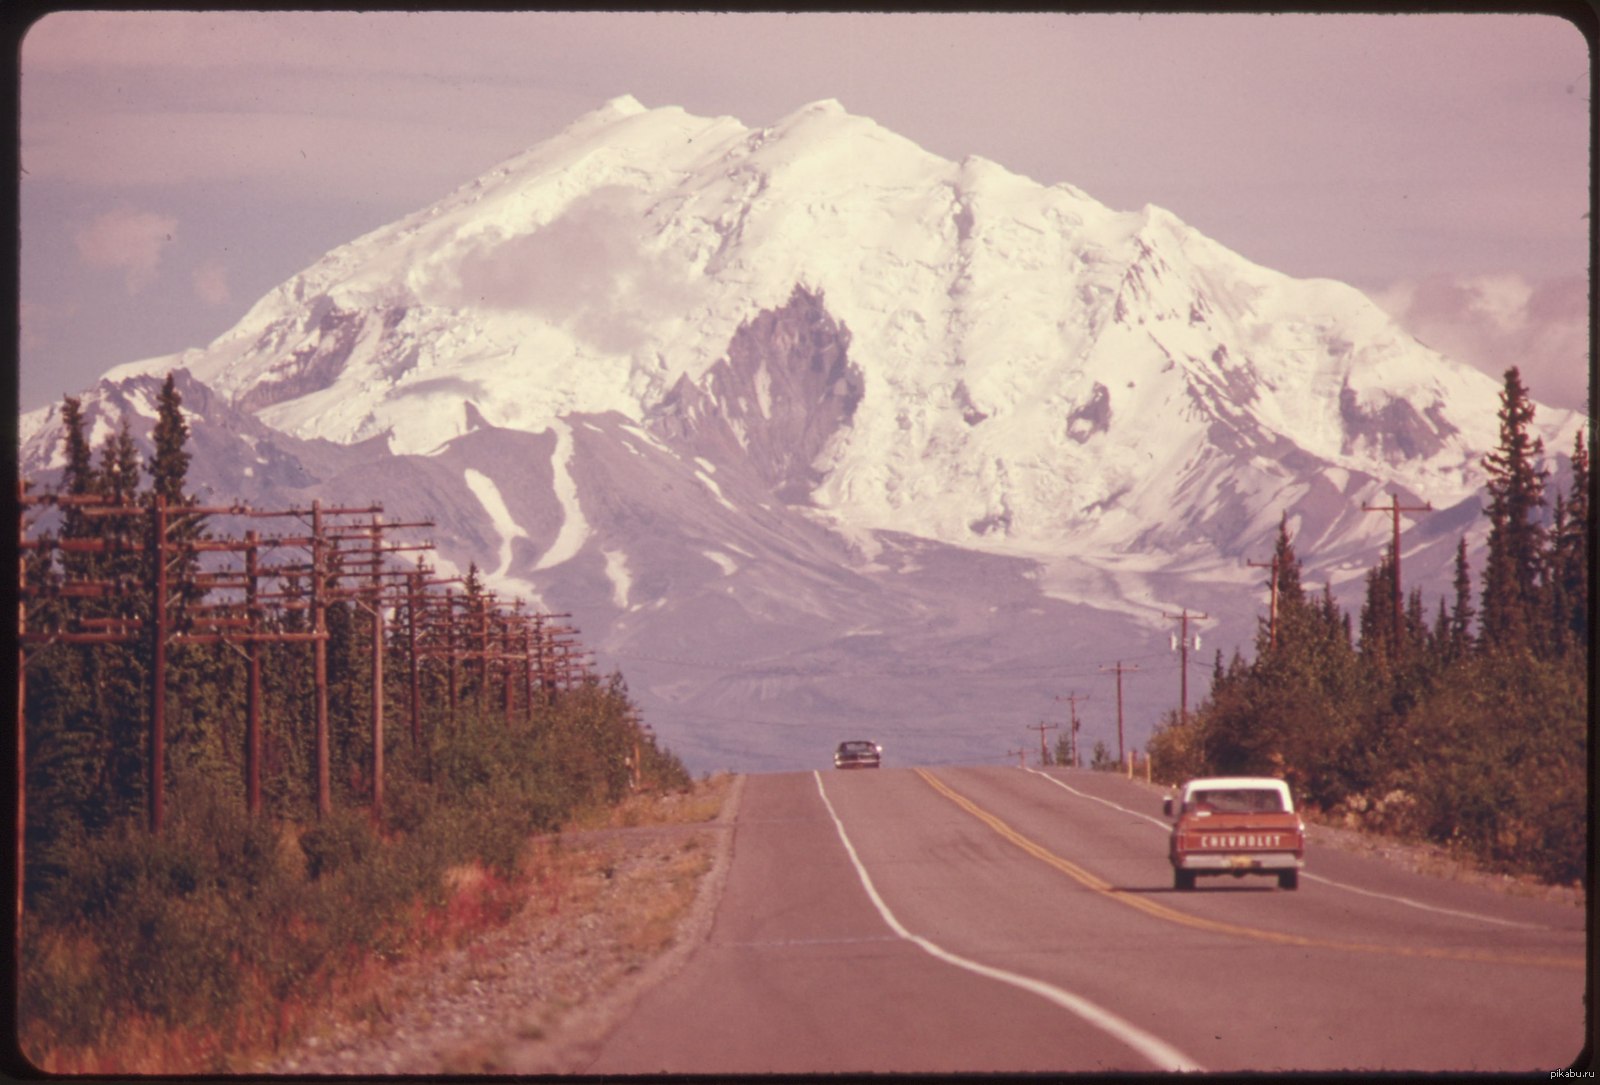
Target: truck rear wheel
[1288, 879]
[1183, 880]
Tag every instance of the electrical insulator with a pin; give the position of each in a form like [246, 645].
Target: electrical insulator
[1174, 638]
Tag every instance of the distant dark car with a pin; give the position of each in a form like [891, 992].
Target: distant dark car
[857, 755]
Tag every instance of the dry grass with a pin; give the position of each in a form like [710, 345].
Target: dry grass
[636, 904]
[655, 808]
[606, 905]
[648, 919]
[633, 898]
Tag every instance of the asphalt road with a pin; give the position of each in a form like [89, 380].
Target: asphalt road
[994, 919]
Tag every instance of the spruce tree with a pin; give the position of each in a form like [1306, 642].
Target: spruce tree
[77, 481]
[119, 467]
[1516, 537]
[1378, 650]
[1461, 615]
[121, 670]
[1286, 564]
[1572, 549]
[169, 466]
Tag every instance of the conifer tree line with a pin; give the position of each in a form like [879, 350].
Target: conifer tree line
[1468, 729]
[85, 713]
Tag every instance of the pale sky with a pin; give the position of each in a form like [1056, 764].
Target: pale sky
[177, 166]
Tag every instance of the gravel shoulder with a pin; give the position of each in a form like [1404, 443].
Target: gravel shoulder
[537, 995]
[1438, 862]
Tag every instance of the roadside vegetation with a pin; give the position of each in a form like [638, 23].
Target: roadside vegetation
[166, 951]
[220, 972]
[1465, 728]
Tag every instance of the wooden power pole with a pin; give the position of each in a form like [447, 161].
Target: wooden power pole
[1072, 708]
[1042, 727]
[1272, 612]
[1182, 646]
[1119, 670]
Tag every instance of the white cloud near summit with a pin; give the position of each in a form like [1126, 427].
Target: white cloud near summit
[586, 268]
[1494, 322]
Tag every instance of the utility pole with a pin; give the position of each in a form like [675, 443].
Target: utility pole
[1394, 508]
[252, 740]
[1272, 620]
[377, 670]
[1072, 708]
[319, 626]
[1021, 756]
[1182, 645]
[1042, 727]
[413, 680]
[1119, 670]
[157, 751]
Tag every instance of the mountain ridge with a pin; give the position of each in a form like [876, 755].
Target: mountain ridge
[843, 378]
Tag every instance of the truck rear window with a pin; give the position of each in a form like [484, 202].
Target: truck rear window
[1239, 801]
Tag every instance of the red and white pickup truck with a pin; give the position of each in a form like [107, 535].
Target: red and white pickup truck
[1235, 825]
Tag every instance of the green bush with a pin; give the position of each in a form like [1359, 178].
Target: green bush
[341, 840]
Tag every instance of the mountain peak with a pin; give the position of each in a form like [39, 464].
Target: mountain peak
[823, 105]
[625, 105]
[1017, 351]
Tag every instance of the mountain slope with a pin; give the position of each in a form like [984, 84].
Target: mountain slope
[731, 394]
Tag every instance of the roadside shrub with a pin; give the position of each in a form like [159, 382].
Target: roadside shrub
[1502, 784]
[1176, 750]
[343, 839]
[664, 770]
[173, 958]
[408, 804]
[62, 991]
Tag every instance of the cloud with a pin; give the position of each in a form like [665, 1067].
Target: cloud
[1494, 322]
[211, 283]
[127, 240]
[586, 269]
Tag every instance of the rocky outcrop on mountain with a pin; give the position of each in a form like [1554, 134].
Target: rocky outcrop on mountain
[785, 388]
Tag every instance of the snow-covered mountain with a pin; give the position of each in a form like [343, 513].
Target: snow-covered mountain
[816, 432]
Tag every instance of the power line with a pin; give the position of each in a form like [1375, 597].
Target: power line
[896, 727]
[909, 671]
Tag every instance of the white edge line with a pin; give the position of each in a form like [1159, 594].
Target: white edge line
[1163, 1055]
[1315, 877]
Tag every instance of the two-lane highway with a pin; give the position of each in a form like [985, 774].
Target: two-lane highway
[994, 919]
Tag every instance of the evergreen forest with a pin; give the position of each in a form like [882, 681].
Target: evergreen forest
[1464, 725]
[254, 866]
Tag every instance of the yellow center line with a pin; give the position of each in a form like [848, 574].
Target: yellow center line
[1172, 915]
